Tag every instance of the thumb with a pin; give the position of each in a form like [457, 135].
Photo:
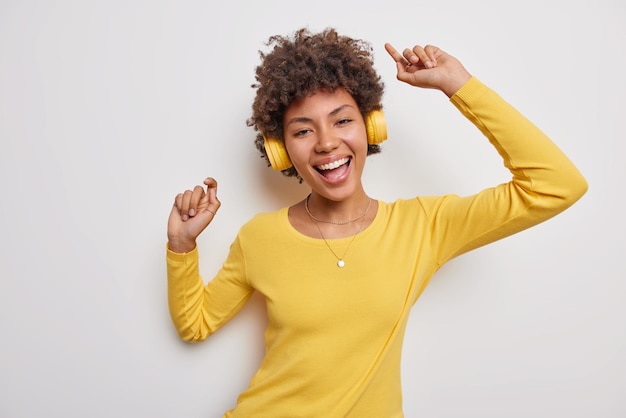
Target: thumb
[211, 191]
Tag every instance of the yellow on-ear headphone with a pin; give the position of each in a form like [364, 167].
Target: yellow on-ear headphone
[279, 159]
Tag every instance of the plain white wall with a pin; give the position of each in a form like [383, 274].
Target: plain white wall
[110, 108]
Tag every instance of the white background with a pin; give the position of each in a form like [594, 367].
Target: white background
[110, 108]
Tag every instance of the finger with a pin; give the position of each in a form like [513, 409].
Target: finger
[411, 55]
[211, 190]
[417, 56]
[402, 65]
[196, 196]
[184, 207]
[178, 201]
[397, 57]
[432, 52]
[177, 206]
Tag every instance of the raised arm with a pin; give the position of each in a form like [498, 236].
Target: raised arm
[196, 309]
[544, 181]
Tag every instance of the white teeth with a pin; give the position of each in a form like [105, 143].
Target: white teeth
[332, 165]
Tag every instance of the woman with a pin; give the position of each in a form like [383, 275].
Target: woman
[341, 270]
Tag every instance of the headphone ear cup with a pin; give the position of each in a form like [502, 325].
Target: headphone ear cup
[376, 127]
[277, 154]
[279, 159]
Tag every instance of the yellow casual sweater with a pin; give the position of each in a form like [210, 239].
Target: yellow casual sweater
[334, 336]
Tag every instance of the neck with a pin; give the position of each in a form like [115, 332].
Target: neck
[342, 212]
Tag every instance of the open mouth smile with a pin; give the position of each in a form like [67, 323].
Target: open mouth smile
[335, 169]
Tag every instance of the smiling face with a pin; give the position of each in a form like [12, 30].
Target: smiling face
[326, 140]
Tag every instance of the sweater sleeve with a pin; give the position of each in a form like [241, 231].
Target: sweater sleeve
[198, 310]
[544, 181]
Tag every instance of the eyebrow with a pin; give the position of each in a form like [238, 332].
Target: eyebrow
[303, 119]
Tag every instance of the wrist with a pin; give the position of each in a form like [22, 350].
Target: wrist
[181, 246]
[455, 83]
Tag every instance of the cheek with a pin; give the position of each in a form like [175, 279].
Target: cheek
[290, 147]
[297, 151]
[358, 143]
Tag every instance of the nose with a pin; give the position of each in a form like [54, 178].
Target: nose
[327, 140]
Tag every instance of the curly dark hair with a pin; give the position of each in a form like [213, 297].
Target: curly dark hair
[298, 66]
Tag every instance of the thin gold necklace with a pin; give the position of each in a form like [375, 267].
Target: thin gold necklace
[306, 207]
[340, 260]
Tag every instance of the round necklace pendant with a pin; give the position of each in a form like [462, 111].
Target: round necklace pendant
[340, 263]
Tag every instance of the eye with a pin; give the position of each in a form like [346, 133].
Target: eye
[344, 121]
[301, 132]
